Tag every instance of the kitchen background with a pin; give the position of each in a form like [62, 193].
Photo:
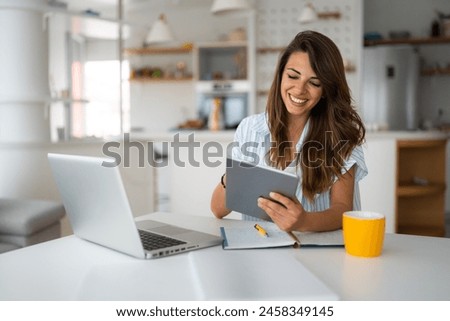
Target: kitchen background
[102, 82]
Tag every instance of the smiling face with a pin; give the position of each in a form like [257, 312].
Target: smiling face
[301, 90]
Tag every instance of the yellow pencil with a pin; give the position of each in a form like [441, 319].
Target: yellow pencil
[261, 230]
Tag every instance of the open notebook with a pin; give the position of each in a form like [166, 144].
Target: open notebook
[247, 237]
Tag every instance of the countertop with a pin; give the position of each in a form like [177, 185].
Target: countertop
[408, 135]
[216, 136]
[228, 135]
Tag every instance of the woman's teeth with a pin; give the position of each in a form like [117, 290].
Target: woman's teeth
[297, 100]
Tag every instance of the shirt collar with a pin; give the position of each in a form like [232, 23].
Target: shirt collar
[263, 129]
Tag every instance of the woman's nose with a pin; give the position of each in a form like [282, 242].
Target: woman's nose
[300, 86]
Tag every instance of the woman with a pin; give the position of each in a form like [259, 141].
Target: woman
[310, 128]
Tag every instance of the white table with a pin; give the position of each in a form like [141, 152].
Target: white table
[410, 268]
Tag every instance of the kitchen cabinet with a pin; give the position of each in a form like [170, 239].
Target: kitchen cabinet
[161, 63]
[421, 187]
[406, 180]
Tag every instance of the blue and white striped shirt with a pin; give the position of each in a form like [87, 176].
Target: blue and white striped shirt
[253, 139]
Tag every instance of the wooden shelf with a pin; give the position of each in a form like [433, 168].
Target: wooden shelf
[419, 190]
[158, 50]
[222, 44]
[421, 143]
[264, 50]
[420, 195]
[408, 41]
[156, 80]
[435, 71]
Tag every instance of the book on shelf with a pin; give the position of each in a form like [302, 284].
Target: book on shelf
[249, 237]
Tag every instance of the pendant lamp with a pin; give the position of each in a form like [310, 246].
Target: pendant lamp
[228, 6]
[160, 32]
[309, 14]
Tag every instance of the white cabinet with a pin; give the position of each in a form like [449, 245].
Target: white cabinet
[195, 172]
[378, 187]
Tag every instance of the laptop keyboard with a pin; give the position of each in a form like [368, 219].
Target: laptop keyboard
[152, 241]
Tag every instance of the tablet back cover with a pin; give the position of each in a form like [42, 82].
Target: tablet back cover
[247, 182]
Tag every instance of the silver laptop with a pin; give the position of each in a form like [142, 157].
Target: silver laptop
[99, 211]
[247, 182]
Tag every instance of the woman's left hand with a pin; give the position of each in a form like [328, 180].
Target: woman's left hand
[288, 214]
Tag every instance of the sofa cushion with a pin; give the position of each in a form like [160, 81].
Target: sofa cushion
[25, 217]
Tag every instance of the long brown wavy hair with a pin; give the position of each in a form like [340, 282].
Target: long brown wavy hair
[335, 127]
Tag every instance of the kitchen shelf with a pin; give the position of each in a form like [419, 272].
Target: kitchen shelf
[426, 143]
[420, 209]
[419, 190]
[408, 41]
[222, 44]
[156, 80]
[265, 50]
[435, 71]
[158, 50]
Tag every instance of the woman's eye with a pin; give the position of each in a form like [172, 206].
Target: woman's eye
[292, 77]
[315, 84]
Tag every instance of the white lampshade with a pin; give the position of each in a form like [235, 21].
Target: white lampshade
[160, 32]
[227, 6]
[308, 14]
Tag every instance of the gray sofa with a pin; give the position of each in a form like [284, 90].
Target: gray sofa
[25, 222]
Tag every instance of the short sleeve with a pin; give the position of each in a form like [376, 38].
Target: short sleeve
[356, 158]
[239, 137]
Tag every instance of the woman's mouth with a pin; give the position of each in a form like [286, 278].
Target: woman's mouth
[297, 100]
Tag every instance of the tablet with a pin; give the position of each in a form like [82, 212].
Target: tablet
[247, 182]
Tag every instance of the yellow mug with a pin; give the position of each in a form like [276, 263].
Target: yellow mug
[363, 233]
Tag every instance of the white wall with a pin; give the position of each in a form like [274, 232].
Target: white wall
[161, 106]
[276, 26]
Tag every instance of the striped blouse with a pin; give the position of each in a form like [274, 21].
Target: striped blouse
[252, 142]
